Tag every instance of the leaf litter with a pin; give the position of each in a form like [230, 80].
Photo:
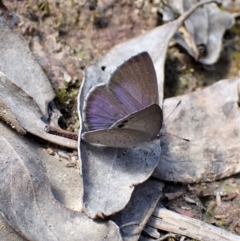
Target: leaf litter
[28, 204]
[103, 166]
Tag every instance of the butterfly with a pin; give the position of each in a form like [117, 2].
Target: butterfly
[124, 112]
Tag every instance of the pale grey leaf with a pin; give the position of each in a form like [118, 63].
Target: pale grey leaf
[110, 174]
[21, 66]
[27, 203]
[25, 113]
[7, 116]
[219, 22]
[206, 27]
[110, 171]
[210, 120]
[133, 218]
[7, 233]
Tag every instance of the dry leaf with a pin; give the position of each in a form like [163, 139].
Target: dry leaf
[27, 203]
[204, 41]
[21, 66]
[110, 171]
[210, 119]
[24, 114]
[133, 218]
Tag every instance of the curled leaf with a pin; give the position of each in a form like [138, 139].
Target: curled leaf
[23, 113]
[21, 66]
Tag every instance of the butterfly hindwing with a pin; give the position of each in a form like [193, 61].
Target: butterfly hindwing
[141, 126]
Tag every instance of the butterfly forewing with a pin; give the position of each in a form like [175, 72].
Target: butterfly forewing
[101, 109]
[131, 87]
[135, 83]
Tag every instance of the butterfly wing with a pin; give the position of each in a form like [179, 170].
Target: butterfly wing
[138, 127]
[130, 88]
[135, 83]
[101, 109]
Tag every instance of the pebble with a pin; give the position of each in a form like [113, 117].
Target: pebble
[74, 158]
[63, 155]
[72, 164]
[57, 156]
[50, 151]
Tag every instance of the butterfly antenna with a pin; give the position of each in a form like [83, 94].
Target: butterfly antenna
[165, 133]
[172, 111]
[184, 139]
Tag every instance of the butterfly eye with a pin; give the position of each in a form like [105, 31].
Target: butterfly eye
[121, 126]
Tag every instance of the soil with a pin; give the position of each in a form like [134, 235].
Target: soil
[67, 35]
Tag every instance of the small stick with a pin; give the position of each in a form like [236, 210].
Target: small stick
[238, 92]
[60, 132]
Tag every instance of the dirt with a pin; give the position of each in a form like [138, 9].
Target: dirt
[67, 35]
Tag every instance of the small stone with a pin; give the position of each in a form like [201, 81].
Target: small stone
[50, 151]
[74, 158]
[72, 164]
[63, 154]
[57, 156]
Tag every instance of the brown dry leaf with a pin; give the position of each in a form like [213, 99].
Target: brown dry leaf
[210, 119]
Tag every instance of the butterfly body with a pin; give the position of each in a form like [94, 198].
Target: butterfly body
[124, 112]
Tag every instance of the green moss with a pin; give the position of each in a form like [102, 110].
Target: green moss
[236, 55]
[83, 54]
[235, 65]
[222, 223]
[61, 95]
[235, 30]
[74, 93]
[44, 6]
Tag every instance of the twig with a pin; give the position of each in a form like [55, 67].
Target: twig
[172, 222]
[60, 132]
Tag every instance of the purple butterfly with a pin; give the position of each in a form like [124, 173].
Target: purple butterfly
[124, 112]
